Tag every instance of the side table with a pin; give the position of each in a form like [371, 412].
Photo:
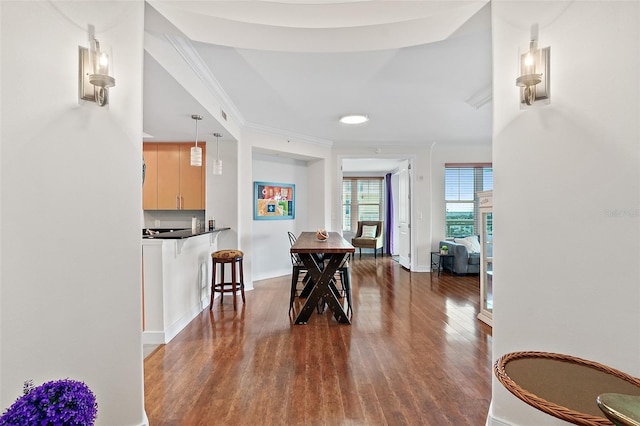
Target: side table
[438, 261]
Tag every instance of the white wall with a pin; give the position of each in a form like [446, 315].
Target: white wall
[566, 176]
[222, 191]
[316, 156]
[269, 237]
[70, 266]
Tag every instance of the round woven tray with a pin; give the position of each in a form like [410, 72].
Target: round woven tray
[563, 386]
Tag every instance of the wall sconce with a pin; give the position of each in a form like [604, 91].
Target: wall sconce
[196, 151]
[534, 75]
[217, 163]
[94, 74]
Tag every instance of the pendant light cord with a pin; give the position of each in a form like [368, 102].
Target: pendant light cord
[197, 118]
[217, 135]
[197, 133]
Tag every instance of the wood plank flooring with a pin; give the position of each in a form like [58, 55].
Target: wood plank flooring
[415, 354]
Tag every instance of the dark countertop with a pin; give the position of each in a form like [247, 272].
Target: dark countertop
[179, 234]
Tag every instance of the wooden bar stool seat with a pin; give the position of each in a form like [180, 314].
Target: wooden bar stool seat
[222, 257]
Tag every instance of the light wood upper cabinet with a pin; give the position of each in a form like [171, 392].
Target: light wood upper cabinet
[192, 180]
[168, 176]
[179, 186]
[150, 186]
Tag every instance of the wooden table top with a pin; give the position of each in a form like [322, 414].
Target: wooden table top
[308, 243]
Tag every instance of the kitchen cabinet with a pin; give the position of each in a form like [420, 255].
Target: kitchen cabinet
[173, 184]
[150, 185]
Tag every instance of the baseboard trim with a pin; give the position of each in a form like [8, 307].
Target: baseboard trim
[160, 337]
[152, 337]
[492, 421]
[270, 274]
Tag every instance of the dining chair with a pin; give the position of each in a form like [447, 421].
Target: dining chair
[298, 267]
[344, 274]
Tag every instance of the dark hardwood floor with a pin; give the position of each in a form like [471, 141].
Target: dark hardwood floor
[415, 354]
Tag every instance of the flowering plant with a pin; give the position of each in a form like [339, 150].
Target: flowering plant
[60, 402]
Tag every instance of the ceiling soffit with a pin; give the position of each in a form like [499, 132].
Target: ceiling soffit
[354, 26]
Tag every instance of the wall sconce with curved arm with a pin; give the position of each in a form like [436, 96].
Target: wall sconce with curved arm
[534, 75]
[95, 80]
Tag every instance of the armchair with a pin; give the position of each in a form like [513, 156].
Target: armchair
[367, 237]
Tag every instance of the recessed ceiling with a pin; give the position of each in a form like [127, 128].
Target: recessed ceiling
[415, 94]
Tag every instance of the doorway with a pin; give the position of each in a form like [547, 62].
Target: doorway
[400, 183]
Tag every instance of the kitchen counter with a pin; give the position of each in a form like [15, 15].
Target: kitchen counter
[178, 234]
[177, 275]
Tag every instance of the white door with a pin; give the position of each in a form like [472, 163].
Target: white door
[404, 215]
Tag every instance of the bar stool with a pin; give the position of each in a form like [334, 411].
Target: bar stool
[222, 257]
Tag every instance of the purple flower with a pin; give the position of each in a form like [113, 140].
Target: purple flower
[55, 403]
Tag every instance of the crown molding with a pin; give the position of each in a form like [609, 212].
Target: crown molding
[288, 134]
[480, 98]
[191, 56]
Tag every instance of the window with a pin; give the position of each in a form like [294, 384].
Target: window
[361, 200]
[461, 182]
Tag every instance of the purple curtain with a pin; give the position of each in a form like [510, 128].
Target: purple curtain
[388, 216]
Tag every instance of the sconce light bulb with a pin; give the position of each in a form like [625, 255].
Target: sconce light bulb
[104, 60]
[528, 60]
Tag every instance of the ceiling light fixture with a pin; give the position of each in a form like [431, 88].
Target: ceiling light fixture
[354, 119]
[196, 151]
[217, 163]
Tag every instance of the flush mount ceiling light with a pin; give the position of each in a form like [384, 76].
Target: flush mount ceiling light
[196, 151]
[94, 72]
[534, 73]
[217, 163]
[354, 119]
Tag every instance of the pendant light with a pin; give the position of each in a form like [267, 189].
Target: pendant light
[217, 163]
[196, 151]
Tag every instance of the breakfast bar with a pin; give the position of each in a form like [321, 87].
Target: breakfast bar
[176, 280]
[334, 249]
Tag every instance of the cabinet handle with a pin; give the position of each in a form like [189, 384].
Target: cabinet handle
[177, 202]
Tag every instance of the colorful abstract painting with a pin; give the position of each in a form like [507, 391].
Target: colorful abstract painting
[273, 201]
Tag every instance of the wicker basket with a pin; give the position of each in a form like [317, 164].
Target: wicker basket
[563, 386]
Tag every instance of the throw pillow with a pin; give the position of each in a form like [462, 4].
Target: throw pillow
[475, 244]
[369, 231]
[471, 243]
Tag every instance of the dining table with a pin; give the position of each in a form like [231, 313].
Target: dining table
[319, 287]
